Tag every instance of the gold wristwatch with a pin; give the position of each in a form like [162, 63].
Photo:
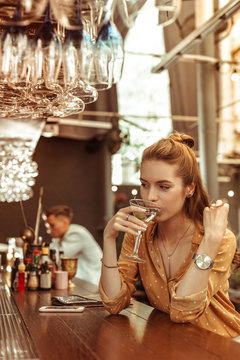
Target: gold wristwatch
[203, 261]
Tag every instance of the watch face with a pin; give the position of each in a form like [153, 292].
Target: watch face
[203, 261]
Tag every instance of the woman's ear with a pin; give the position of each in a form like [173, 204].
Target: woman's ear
[190, 190]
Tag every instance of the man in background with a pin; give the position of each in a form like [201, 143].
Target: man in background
[75, 241]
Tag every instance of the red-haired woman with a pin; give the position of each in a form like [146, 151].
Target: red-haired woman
[188, 248]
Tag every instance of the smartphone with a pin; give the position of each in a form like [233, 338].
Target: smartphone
[66, 309]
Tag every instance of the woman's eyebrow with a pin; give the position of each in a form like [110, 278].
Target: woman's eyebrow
[159, 181]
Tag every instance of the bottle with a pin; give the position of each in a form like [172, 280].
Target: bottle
[45, 277]
[14, 274]
[28, 263]
[21, 277]
[44, 256]
[60, 255]
[53, 264]
[33, 281]
[36, 258]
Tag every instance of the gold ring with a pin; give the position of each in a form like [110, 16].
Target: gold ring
[127, 217]
[214, 206]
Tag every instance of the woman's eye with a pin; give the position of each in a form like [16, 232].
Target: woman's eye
[143, 185]
[164, 187]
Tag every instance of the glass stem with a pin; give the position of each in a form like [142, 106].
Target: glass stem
[137, 243]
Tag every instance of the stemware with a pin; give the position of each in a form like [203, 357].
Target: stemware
[129, 10]
[28, 11]
[47, 74]
[162, 12]
[85, 92]
[65, 11]
[15, 56]
[108, 57]
[47, 54]
[151, 210]
[66, 104]
[168, 11]
[77, 55]
[70, 265]
[10, 99]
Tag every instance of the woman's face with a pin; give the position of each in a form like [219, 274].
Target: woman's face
[160, 184]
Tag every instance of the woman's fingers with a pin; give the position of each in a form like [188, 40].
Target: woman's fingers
[218, 204]
[127, 220]
[215, 219]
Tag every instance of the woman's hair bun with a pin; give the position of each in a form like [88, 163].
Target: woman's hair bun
[183, 138]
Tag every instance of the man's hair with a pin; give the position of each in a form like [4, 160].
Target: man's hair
[59, 210]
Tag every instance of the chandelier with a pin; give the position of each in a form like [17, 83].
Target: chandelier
[55, 57]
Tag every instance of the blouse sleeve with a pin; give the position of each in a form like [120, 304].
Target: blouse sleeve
[128, 272]
[188, 308]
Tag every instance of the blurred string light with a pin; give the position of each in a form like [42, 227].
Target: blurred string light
[231, 193]
[235, 75]
[134, 192]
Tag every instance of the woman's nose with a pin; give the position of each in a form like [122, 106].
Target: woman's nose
[152, 194]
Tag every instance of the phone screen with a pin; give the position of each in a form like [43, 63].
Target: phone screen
[62, 308]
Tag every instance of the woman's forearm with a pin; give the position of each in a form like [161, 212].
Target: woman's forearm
[215, 224]
[196, 279]
[110, 279]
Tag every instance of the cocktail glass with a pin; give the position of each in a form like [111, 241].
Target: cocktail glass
[151, 210]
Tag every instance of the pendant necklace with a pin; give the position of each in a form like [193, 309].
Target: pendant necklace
[169, 255]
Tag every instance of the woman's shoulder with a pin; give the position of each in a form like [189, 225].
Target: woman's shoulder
[229, 241]
[229, 235]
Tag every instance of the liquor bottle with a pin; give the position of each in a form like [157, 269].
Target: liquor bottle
[36, 258]
[60, 255]
[21, 277]
[53, 264]
[44, 257]
[28, 263]
[14, 274]
[45, 277]
[33, 281]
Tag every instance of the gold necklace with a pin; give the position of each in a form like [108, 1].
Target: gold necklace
[169, 255]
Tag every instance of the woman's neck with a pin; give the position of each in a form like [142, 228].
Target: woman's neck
[172, 229]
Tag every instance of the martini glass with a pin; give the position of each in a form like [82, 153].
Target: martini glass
[151, 210]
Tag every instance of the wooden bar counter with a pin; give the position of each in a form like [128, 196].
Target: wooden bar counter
[139, 332]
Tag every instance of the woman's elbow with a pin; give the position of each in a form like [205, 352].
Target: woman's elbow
[184, 316]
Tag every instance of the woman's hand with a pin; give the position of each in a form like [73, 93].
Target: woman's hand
[236, 261]
[124, 221]
[215, 221]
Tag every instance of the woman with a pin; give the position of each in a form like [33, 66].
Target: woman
[187, 247]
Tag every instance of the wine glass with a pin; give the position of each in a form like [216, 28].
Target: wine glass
[47, 54]
[129, 10]
[163, 12]
[77, 56]
[108, 57]
[151, 210]
[15, 56]
[70, 265]
[85, 92]
[21, 13]
[65, 12]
